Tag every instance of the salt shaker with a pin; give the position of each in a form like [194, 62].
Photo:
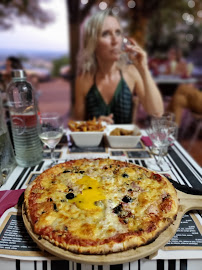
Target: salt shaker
[24, 120]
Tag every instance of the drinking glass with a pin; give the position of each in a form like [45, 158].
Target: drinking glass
[50, 132]
[126, 42]
[158, 132]
[172, 131]
[169, 116]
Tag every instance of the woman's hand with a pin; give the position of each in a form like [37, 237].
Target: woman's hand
[136, 54]
[108, 119]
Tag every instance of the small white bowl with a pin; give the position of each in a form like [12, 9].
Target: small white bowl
[87, 138]
[123, 141]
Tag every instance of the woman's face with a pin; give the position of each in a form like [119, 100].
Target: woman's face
[110, 40]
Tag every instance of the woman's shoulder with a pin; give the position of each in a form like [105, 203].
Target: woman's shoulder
[130, 75]
[129, 71]
[85, 77]
[84, 82]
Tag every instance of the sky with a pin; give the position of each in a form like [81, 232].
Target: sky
[54, 37]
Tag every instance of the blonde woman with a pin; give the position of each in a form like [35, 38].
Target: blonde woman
[107, 81]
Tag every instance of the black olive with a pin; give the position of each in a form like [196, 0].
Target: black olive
[55, 207]
[130, 190]
[70, 196]
[89, 187]
[50, 199]
[125, 175]
[82, 172]
[125, 221]
[66, 171]
[70, 189]
[126, 199]
[117, 209]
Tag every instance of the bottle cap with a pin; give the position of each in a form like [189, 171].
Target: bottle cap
[18, 73]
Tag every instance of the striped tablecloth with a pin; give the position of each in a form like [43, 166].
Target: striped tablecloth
[183, 169]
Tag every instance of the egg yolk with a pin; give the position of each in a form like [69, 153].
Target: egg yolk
[91, 194]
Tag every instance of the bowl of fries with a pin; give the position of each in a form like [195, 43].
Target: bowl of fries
[86, 133]
[123, 136]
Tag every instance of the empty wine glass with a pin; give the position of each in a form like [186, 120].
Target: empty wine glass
[50, 132]
[158, 132]
[168, 116]
[172, 131]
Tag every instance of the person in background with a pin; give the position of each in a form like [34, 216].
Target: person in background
[188, 97]
[107, 82]
[177, 65]
[12, 62]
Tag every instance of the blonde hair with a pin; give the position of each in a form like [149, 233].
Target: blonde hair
[86, 61]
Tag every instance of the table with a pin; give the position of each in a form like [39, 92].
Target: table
[169, 83]
[183, 252]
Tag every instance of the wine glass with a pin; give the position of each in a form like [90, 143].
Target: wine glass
[50, 132]
[158, 132]
[173, 133]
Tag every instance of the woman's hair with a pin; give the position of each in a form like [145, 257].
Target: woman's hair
[92, 29]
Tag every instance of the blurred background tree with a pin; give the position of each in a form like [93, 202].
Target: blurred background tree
[57, 64]
[175, 24]
[25, 11]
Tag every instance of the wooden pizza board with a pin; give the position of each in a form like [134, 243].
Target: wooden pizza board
[187, 202]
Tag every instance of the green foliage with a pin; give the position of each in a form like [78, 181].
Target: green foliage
[23, 11]
[166, 27]
[58, 63]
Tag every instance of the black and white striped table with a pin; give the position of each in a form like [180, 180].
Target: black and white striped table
[66, 265]
[183, 169]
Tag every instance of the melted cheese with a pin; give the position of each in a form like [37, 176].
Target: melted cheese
[92, 193]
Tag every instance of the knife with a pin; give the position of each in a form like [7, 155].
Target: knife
[185, 189]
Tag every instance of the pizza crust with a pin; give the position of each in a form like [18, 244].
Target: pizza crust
[103, 236]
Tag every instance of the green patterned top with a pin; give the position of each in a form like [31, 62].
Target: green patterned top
[121, 104]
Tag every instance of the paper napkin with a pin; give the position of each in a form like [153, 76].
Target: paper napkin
[146, 140]
[8, 199]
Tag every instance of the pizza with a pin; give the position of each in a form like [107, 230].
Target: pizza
[99, 206]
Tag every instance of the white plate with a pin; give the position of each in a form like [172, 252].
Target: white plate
[123, 141]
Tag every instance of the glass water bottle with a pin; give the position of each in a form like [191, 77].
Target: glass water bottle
[24, 120]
